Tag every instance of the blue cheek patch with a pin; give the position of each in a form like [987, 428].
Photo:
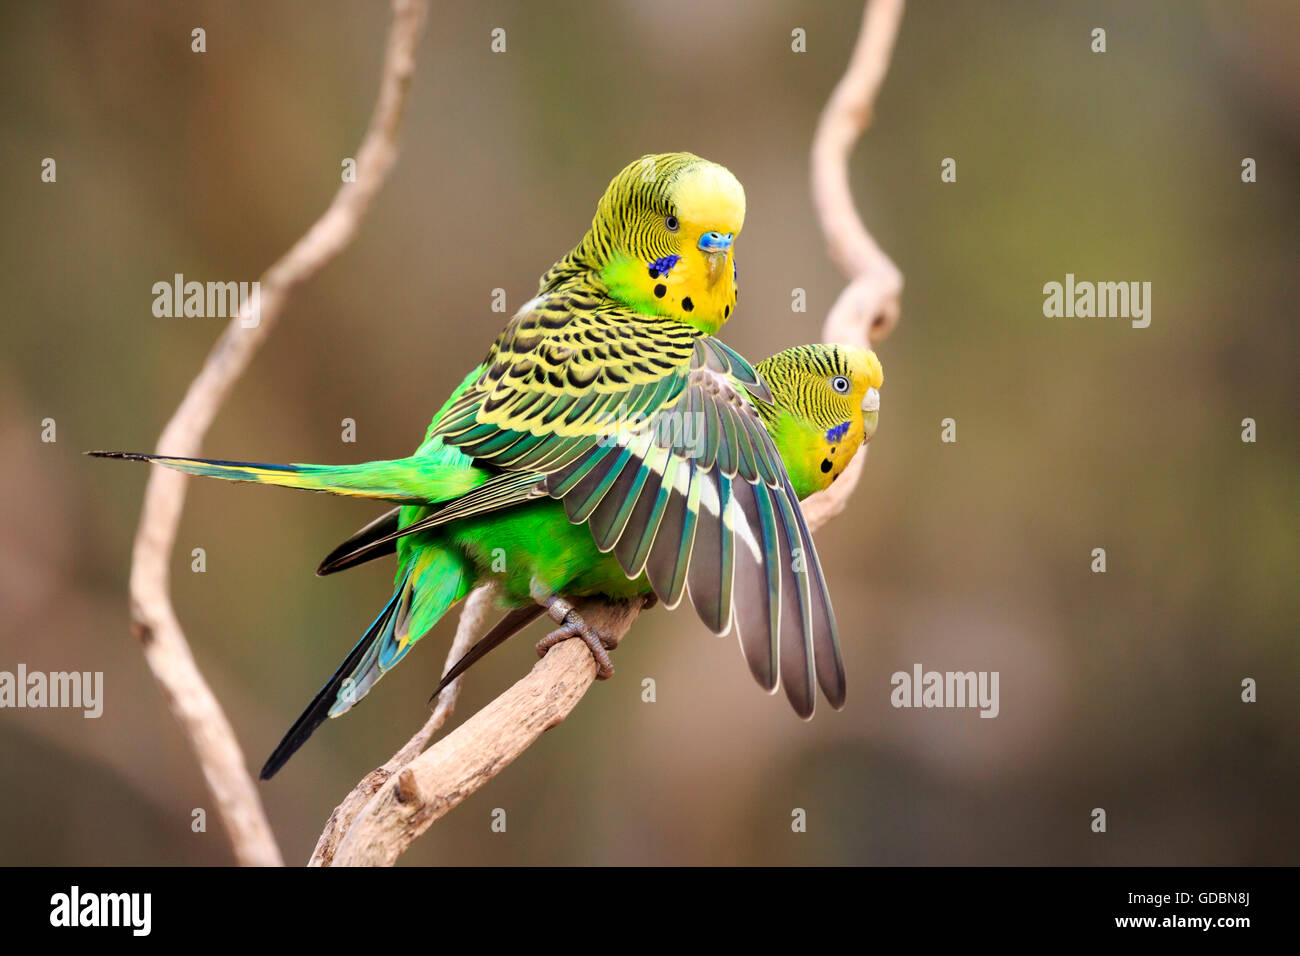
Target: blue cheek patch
[835, 434]
[663, 265]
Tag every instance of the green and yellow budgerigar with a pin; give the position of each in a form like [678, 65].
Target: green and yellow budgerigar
[609, 445]
[825, 406]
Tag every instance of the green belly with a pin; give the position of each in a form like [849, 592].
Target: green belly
[536, 540]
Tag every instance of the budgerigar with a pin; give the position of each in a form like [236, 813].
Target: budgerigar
[825, 406]
[607, 402]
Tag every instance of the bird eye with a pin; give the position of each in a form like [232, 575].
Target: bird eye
[671, 223]
[840, 384]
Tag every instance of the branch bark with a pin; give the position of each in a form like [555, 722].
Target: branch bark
[473, 621]
[416, 792]
[869, 307]
[153, 618]
[479, 749]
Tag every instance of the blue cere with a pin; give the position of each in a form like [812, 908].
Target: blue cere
[716, 241]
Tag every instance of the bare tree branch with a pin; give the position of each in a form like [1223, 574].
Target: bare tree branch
[476, 751]
[415, 793]
[869, 307]
[875, 283]
[153, 619]
[473, 622]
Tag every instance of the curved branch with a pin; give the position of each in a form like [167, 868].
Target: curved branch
[153, 618]
[479, 749]
[410, 799]
[868, 308]
[473, 622]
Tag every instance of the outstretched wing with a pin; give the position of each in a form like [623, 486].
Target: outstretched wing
[699, 500]
[646, 430]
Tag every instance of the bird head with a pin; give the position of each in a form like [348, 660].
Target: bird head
[826, 405]
[663, 238]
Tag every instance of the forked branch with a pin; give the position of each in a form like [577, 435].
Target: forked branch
[374, 826]
[153, 618]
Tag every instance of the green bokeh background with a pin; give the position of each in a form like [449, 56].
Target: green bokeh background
[1119, 691]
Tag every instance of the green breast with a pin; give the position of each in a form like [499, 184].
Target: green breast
[537, 540]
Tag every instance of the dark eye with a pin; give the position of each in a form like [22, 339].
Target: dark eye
[840, 384]
[671, 223]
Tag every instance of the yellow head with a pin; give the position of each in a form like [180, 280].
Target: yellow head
[826, 405]
[662, 240]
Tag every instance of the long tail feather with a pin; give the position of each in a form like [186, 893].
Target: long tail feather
[380, 536]
[373, 541]
[320, 705]
[431, 582]
[416, 480]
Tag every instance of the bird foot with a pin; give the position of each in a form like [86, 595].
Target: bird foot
[600, 643]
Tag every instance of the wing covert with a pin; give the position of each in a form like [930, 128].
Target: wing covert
[646, 430]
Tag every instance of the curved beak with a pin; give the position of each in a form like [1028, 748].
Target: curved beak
[870, 414]
[715, 246]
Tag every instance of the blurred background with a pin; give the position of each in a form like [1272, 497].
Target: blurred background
[1118, 690]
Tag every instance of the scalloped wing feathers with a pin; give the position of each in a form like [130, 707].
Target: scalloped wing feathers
[646, 429]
